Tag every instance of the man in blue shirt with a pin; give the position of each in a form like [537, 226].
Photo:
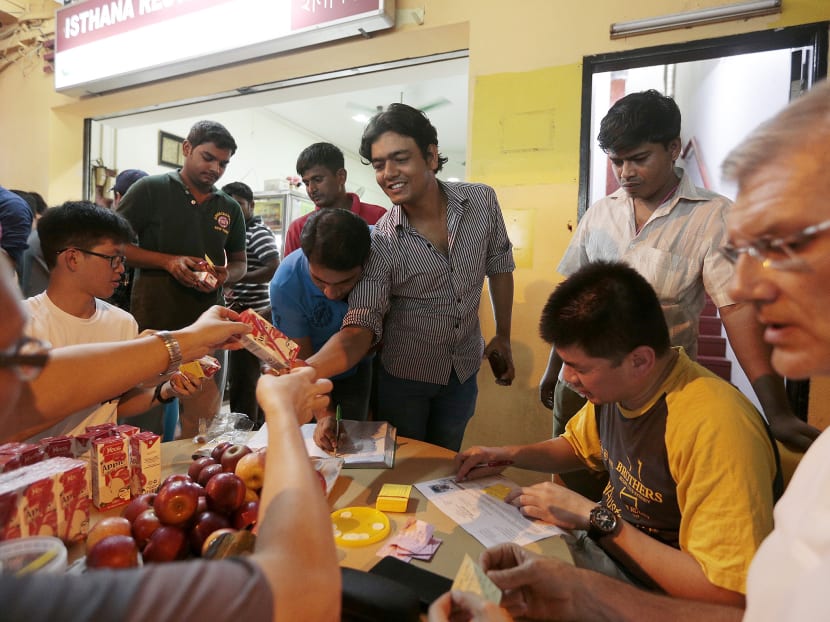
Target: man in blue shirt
[309, 300]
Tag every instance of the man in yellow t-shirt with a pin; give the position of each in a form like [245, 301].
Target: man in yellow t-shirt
[691, 465]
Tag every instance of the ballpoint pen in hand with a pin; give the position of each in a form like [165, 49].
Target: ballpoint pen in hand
[338, 417]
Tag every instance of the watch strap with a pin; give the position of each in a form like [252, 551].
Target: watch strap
[174, 351]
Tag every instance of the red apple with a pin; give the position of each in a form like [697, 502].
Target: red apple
[207, 472]
[144, 525]
[108, 526]
[176, 502]
[216, 452]
[251, 469]
[246, 515]
[232, 455]
[206, 524]
[165, 545]
[175, 477]
[137, 505]
[197, 465]
[202, 507]
[225, 492]
[116, 551]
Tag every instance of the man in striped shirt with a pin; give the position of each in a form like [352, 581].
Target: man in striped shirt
[421, 287]
[250, 292]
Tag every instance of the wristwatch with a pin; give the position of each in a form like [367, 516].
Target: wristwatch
[174, 352]
[602, 522]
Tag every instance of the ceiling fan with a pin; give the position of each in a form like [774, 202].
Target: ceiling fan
[370, 111]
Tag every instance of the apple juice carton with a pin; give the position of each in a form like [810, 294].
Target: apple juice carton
[145, 462]
[38, 503]
[127, 430]
[72, 479]
[9, 513]
[110, 471]
[82, 443]
[57, 446]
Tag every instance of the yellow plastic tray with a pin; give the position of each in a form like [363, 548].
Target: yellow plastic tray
[359, 526]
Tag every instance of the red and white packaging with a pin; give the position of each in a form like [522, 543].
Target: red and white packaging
[15, 455]
[57, 446]
[109, 464]
[9, 513]
[72, 479]
[108, 427]
[82, 443]
[145, 462]
[127, 430]
[267, 342]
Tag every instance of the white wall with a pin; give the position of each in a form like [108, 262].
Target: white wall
[267, 149]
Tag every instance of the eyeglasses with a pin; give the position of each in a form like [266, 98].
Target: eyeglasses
[777, 253]
[27, 357]
[115, 260]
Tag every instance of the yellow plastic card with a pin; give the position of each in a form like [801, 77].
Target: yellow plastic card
[359, 526]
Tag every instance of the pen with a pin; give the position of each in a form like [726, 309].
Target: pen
[494, 463]
[338, 417]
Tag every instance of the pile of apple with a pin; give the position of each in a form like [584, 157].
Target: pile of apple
[219, 494]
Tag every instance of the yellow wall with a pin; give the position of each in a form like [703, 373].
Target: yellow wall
[525, 68]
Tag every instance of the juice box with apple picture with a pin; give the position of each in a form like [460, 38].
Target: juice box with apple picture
[110, 470]
[145, 462]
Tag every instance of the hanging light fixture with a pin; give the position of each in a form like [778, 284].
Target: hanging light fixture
[687, 19]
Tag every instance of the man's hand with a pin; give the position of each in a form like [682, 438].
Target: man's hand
[300, 387]
[182, 384]
[534, 587]
[465, 461]
[547, 384]
[553, 504]
[459, 606]
[184, 269]
[502, 346]
[217, 328]
[324, 433]
[792, 431]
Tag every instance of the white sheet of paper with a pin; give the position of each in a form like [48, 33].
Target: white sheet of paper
[355, 449]
[478, 507]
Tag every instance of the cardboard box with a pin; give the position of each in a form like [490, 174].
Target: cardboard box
[57, 446]
[110, 471]
[145, 463]
[267, 342]
[393, 497]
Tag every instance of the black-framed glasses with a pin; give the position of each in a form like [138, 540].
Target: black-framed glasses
[115, 260]
[777, 253]
[27, 357]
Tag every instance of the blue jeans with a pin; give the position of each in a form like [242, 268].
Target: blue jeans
[434, 413]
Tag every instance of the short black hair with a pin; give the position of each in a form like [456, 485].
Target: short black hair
[35, 202]
[406, 121]
[323, 154]
[608, 309]
[645, 117]
[336, 239]
[211, 132]
[237, 188]
[80, 224]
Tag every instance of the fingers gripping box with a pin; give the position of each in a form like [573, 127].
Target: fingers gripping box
[267, 342]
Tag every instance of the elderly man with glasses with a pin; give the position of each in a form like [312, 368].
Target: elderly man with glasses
[84, 247]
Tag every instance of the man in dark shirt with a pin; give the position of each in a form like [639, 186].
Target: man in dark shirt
[191, 239]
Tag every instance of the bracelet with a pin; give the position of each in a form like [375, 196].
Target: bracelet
[174, 351]
[158, 398]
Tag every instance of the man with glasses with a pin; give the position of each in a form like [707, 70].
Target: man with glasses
[778, 237]
[669, 230]
[83, 245]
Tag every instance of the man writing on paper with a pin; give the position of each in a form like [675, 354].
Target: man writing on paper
[690, 461]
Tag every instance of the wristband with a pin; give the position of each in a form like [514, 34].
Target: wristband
[174, 351]
[158, 398]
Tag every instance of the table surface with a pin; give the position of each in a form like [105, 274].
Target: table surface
[415, 461]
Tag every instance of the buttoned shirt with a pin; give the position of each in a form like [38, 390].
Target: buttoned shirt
[423, 304]
[676, 251]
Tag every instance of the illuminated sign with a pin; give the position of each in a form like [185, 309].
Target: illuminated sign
[101, 45]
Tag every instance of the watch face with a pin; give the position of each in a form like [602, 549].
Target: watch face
[603, 519]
